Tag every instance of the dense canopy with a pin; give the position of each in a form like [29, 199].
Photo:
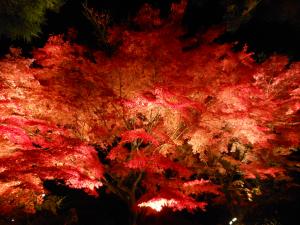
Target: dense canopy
[153, 123]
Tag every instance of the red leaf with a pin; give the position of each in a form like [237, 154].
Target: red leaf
[133, 135]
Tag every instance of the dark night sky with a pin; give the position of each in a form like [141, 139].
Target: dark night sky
[274, 27]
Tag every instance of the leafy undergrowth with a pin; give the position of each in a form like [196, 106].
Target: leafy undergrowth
[187, 123]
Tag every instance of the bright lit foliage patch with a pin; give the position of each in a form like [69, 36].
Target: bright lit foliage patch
[158, 204]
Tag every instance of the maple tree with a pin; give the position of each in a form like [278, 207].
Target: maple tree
[169, 126]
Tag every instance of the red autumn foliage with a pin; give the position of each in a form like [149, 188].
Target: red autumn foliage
[36, 151]
[180, 116]
[131, 135]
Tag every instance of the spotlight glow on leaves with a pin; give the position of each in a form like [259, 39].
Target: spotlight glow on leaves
[158, 204]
